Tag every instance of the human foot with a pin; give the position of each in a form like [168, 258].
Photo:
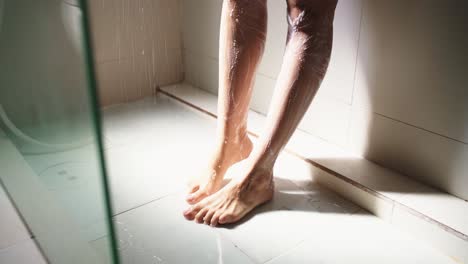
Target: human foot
[249, 188]
[225, 156]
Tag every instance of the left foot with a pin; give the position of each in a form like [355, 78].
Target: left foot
[249, 188]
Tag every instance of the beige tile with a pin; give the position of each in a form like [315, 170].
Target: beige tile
[110, 84]
[439, 206]
[190, 70]
[338, 82]
[328, 119]
[361, 238]
[209, 21]
[125, 80]
[295, 210]
[104, 29]
[195, 96]
[275, 41]
[200, 28]
[208, 74]
[432, 159]
[137, 78]
[400, 76]
[190, 30]
[143, 241]
[144, 37]
[451, 245]
[262, 93]
[378, 206]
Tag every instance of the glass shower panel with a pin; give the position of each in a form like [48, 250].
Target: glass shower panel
[51, 162]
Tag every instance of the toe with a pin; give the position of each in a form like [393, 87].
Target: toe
[193, 188]
[191, 212]
[208, 216]
[196, 197]
[200, 215]
[215, 219]
[226, 218]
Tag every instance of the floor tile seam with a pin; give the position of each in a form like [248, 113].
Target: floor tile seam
[285, 252]
[143, 204]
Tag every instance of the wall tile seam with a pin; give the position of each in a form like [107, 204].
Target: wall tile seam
[348, 141]
[430, 220]
[421, 128]
[369, 112]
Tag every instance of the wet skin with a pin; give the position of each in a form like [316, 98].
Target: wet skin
[242, 39]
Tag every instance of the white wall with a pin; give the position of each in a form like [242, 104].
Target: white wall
[395, 91]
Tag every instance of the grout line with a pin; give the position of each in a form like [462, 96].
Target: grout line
[369, 110]
[287, 251]
[421, 128]
[143, 204]
[357, 55]
[235, 245]
[188, 103]
[445, 227]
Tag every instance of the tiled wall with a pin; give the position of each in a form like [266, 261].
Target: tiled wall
[395, 91]
[137, 47]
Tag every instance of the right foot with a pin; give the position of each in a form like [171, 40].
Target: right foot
[212, 179]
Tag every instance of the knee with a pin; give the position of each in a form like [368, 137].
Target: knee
[246, 3]
[313, 5]
[307, 15]
[252, 8]
[249, 14]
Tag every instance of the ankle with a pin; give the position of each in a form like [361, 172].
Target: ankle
[262, 160]
[231, 134]
[257, 179]
[233, 140]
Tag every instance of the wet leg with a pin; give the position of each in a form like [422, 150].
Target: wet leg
[304, 66]
[242, 39]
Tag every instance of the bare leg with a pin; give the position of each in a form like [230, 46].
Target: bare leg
[242, 39]
[304, 66]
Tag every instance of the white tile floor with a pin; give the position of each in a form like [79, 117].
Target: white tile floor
[24, 252]
[154, 144]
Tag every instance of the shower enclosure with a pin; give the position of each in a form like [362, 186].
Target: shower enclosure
[51, 161]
